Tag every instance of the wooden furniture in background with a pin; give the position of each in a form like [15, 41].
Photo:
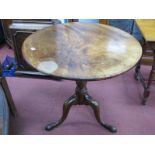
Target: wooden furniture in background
[4, 113]
[7, 35]
[101, 21]
[147, 58]
[147, 28]
[73, 20]
[81, 52]
[4, 86]
[8, 95]
[104, 21]
[6, 105]
[1, 33]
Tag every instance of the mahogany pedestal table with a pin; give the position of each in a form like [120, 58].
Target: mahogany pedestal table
[81, 52]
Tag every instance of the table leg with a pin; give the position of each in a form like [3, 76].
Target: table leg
[146, 93]
[81, 97]
[137, 70]
[96, 109]
[66, 107]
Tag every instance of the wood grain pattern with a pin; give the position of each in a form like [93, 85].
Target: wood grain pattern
[82, 51]
[147, 28]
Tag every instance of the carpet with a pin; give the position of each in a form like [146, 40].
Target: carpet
[39, 102]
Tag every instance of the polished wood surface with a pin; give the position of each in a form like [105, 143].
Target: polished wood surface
[82, 51]
[147, 28]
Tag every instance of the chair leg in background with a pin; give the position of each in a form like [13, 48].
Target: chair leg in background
[8, 96]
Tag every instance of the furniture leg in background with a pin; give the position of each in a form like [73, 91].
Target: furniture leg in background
[6, 106]
[147, 29]
[8, 96]
[145, 83]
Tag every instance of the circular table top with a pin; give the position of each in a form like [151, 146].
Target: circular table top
[81, 51]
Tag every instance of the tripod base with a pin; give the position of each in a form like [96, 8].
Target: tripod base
[81, 97]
